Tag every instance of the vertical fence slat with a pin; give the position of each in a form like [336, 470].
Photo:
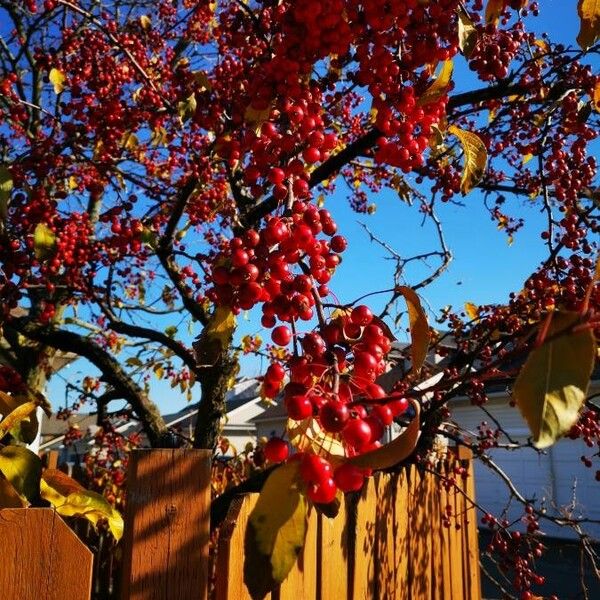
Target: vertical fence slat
[470, 533]
[446, 591]
[333, 555]
[401, 537]
[167, 525]
[419, 565]
[385, 562]
[363, 563]
[455, 540]
[230, 554]
[436, 538]
[42, 558]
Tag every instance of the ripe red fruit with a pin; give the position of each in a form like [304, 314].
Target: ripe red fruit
[314, 469]
[357, 433]
[348, 478]
[361, 315]
[323, 492]
[384, 413]
[298, 407]
[311, 155]
[338, 243]
[275, 372]
[281, 335]
[276, 450]
[398, 406]
[334, 415]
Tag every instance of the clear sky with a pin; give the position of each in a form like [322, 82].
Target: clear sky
[485, 267]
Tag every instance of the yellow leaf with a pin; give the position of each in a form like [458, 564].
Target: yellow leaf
[527, 157]
[279, 519]
[493, 10]
[307, 436]
[439, 87]
[471, 310]
[158, 136]
[419, 328]
[6, 186]
[16, 416]
[129, 141]
[86, 504]
[60, 482]
[159, 371]
[475, 157]
[257, 117]
[44, 241]
[395, 451]
[57, 79]
[145, 22]
[467, 34]
[552, 385]
[589, 16]
[23, 469]
[221, 325]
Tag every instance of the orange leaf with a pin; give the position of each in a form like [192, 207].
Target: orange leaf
[589, 15]
[419, 328]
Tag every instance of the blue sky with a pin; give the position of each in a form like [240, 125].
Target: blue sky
[485, 267]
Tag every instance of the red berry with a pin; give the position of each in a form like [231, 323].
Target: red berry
[361, 315]
[298, 407]
[276, 450]
[357, 433]
[349, 478]
[334, 415]
[323, 492]
[281, 335]
[314, 469]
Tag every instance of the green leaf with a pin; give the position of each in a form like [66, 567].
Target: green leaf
[395, 451]
[70, 499]
[552, 385]
[22, 469]
[419, 328]
[475, 156]
[279, 520]
[6, 186]
[44, 241]
[170, 331]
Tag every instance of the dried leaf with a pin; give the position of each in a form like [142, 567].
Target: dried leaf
[57, 79]
[552, 385]
[419, 328]
[187, 108]
[395, 451]
[475, 158]
[589, 16]
[595, 97]
[221, 325]
[471, 310]
[279, 520]
[493, 10]
[439, 87]
[9, 498]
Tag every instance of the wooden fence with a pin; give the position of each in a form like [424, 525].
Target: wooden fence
[388, 542]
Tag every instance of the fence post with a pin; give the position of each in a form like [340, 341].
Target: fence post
[167, 525]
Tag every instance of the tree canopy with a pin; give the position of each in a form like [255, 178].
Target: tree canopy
[166, 164]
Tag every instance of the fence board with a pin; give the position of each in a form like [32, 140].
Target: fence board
[333, 555]
[42, 558]
[401, 537]
[362, 574]
[167, 525]
[385, 563]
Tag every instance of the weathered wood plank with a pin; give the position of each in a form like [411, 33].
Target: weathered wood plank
[42, 558]
[167, 526]
[333, 555]
[401, 535]
[363, 561]
[385, 562]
